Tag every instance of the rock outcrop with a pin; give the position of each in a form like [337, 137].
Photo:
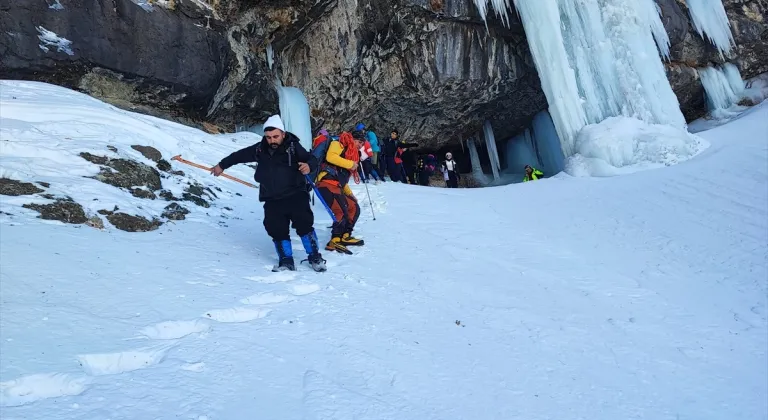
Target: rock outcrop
[689, 51]
[16, 188]
[114, 49]
[431, 68]
[64, 210]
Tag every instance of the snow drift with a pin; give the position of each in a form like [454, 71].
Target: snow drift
[621, 145]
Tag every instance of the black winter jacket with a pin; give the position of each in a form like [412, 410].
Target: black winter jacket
[278, 170]
[391, 146]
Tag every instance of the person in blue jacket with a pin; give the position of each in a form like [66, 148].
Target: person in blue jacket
[375, 146]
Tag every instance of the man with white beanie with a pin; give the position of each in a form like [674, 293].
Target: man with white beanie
[283, 164]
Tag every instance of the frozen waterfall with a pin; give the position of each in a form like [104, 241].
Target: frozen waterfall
[723, 86]
[709, 18]
[294, 110]
[597, 59]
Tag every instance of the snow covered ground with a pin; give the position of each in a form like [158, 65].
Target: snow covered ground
[640, 296]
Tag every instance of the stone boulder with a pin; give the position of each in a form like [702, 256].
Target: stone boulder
[64, 210]
[148, 152]
[131, 223]
[16, 188]
[124, 173]
[174, 211]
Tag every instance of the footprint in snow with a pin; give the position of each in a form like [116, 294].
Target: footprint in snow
[125, 361]
[31, 388]
[172, 330]
[279, 277]
[266, 299]
[194, 367]
[205, 283]
[304, 289]
[236, 314]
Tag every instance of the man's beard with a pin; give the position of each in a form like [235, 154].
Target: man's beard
[274, 145]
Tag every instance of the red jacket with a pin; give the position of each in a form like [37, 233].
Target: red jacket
[398, 159]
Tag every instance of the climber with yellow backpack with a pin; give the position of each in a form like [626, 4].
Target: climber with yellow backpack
[339, 161]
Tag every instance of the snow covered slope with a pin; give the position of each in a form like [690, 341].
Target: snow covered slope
[640, 296]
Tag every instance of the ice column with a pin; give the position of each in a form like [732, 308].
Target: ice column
[493, 153]
[709, 18]
[474, 158]
[294, 111]
[547, 144]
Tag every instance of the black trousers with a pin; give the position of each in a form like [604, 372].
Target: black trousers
[279, 214]
[453, 180]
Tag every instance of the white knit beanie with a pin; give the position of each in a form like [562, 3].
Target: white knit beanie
[274, 122]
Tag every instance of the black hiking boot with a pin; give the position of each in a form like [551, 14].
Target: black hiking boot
[315, 260]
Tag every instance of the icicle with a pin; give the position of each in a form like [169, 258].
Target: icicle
[294, 110]
[270, 56]
[493, 153]
[709, 18]
[651, 12]
[734, 78]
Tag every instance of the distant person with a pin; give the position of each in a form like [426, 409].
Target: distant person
[390, 150]
[283, 164]
[425, 168]
[376, 148]
[450, 171]
[366, 155]
[394, 150]
[532, 174]
[409, 165]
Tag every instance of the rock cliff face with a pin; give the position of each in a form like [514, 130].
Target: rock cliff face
[430, 68]
[427, 68]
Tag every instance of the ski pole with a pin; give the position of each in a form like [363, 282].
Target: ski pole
[362, 172]
[320, 197]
